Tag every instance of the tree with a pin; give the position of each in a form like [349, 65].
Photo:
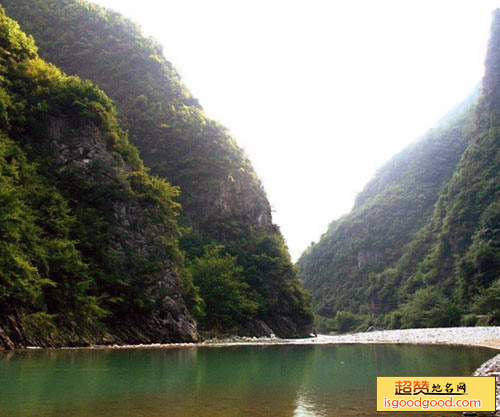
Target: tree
[226, 296]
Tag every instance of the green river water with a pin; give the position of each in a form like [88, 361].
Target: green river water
[246, 381]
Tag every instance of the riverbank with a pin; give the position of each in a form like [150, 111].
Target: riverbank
[467, 336]
[464, 336]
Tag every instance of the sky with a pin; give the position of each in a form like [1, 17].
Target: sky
[320, 93]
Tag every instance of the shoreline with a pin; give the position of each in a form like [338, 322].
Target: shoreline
[487, 337]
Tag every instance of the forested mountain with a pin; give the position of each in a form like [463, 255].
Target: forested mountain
[88, 239]
[244, 281]
[421, 246]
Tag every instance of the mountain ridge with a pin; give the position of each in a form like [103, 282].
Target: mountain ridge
[368, 270]
[225, 212]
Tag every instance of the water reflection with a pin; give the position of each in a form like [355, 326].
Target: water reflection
[280, 381]
[306, 408]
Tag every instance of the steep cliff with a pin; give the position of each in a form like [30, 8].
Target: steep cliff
[421, 245]
[88, 240]
[387, 214]
[464, 258]
[223, 201]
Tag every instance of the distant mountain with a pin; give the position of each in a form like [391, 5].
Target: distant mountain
[237, 276]
[421, 246]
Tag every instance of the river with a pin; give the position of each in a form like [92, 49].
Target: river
[246, 381]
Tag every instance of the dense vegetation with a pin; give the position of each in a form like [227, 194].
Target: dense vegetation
[223, 203]
[97, 245]
[70, 271]
[421, 246]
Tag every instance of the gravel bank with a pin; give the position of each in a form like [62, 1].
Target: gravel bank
[469, 336]
[472, 336]
[492, 368]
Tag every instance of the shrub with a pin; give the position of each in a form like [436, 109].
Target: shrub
[429, 308]
[488, 302]
[347, 321]
[395, 319]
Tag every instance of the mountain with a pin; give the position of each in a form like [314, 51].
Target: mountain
[421, 247]
[237, 275]
[88, 239]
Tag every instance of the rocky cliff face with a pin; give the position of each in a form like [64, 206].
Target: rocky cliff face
[79, 153]
[88, 239]
[79, 156]
[240, 198]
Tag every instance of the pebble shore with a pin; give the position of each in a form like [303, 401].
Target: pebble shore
[468, 336]
[492, 368]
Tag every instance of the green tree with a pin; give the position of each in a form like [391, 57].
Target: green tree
[429, 308]
[488, 302]
[219, 279]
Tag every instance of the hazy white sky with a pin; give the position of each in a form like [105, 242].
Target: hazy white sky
[320, 93]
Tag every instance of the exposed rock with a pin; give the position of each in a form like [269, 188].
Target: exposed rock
[286, 327]
[256, 328]
[365, 256]
[83, 151]
[492, 368]
[78, 153]
[241, 198]
[5, 342]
